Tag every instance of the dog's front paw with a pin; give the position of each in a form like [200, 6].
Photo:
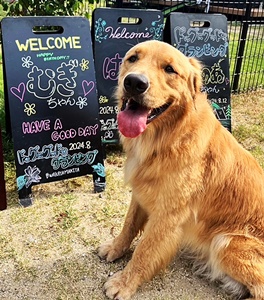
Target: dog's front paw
[110, 251]
[118, 287]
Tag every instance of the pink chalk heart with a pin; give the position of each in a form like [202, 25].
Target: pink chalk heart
[87, 87]
[19, 91]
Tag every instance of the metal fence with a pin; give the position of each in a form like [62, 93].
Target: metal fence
[245, 30]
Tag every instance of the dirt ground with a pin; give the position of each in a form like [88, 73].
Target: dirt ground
[48, 250]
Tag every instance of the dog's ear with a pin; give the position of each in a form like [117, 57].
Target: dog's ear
[195, 79]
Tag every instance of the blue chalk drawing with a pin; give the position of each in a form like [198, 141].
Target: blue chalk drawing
[31, 176]
[99, 169]
[99, 34]
[157, 29]
[21, 182]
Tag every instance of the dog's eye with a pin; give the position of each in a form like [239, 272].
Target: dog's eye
[132, 58]
[169, 69]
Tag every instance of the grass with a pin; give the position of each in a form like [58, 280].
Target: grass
[253, 59]
[248, 125]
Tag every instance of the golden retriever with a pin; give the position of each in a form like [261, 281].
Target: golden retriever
[193, 185]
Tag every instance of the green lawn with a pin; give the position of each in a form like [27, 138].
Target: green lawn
[253, 58]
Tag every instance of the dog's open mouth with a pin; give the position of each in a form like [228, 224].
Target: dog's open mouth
[133, 117]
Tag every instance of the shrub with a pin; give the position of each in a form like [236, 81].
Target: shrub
[40, 7]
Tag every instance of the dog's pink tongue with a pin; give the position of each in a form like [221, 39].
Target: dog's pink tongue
[132, 123]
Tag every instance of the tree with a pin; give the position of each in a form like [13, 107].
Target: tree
[40, 7]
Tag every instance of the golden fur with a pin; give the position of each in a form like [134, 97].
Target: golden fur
[192, 184]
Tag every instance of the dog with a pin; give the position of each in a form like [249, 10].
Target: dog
[193, 185]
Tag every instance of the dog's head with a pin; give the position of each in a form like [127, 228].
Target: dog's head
[154, 79]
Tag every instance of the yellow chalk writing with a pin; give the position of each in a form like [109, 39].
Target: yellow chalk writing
[38, 44]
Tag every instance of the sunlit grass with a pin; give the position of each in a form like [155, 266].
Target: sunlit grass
[251, 73]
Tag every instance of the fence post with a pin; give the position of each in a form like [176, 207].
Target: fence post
[241, 46]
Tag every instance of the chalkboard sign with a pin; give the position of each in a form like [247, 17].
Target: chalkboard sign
[114, 32]
[205, 37]
[52, 99]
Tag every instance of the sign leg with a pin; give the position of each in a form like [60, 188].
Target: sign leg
[99, 183]
[25, 197]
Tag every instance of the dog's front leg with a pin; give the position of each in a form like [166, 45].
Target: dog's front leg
[156, 248]
[134, 222]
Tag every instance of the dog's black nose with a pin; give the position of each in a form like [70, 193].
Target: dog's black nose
[136, 84]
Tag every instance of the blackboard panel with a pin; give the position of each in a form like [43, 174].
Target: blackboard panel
[52, 98]
[114, 32]
[205, 37]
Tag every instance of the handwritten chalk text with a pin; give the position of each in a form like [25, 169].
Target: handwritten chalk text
[35, 126]
[72, 133]
[37, 44]
[62, 173]
[119, 33]
[76, 159]
[36, 153]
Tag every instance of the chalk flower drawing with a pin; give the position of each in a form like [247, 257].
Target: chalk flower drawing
[81, 102]
[30, 109]
[32, 175]
[27, 63]
[84, 64]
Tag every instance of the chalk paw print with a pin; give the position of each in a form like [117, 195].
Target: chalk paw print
[29, 109]
[84, 64]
